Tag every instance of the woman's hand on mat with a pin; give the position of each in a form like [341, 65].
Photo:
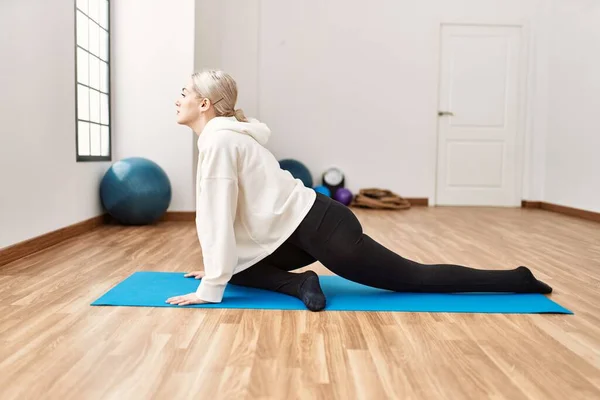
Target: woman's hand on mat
[185, 300]
[195, 274]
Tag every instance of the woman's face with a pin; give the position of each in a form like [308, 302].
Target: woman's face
[189, 106]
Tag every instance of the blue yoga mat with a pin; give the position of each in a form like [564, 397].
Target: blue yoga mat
[152, 289]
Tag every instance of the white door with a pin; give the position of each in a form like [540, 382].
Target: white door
[479, 133]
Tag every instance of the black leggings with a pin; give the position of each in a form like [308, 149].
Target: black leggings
[332, 234]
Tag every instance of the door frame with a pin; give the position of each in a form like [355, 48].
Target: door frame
[524, 116]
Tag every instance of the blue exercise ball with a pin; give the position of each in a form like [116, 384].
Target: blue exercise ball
[298, 171]
[135, 191]
[323, 190]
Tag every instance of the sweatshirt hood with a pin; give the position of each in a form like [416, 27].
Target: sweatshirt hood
[254, 128]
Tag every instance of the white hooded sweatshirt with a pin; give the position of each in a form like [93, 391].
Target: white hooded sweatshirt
[246, 205]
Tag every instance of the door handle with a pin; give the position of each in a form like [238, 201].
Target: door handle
[442, 113]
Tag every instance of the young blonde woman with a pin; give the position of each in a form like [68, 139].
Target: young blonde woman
[256, 223]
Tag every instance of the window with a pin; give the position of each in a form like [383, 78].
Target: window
[92, 49]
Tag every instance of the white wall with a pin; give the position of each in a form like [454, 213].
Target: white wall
[573, 142]
[344, 84]
[153, 56]
[537, 103]
[323, 74]
[218, 24]
[42, 187]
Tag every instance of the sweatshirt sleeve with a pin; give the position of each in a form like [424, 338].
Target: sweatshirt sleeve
[216, 205]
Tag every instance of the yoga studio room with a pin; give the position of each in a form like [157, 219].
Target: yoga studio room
[311, 199]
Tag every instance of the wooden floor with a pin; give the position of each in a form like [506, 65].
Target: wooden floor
[54, 345]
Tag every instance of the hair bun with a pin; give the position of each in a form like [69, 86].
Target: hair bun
[239, 115]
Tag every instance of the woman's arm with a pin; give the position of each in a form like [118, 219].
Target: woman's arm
[215, 215]
[216, 207]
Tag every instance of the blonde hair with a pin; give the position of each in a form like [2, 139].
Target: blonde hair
[221, 89]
